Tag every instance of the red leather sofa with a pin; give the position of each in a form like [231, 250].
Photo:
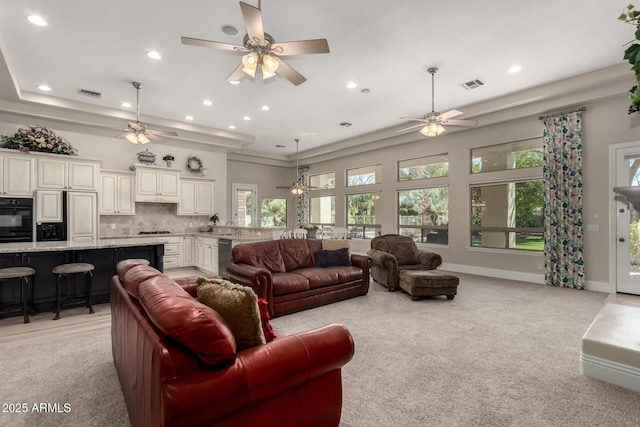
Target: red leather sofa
[177, 362]
[284, 273]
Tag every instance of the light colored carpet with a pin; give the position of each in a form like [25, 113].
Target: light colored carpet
[502, 353]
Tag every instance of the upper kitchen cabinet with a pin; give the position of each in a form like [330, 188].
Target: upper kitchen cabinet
[196, 197]
[117, 193]
[17, 175]
[74, 174]
[157, 184]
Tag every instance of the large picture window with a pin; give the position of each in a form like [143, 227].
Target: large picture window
[368, 175]
[508, 215]
[322, 211]
[361, 215]
[423, 167]
[424, 214]
[273, 212]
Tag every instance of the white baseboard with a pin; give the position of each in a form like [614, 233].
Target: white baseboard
[493, 272]
[590, 285]
[611, 372]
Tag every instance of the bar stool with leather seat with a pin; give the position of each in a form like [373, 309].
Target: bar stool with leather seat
[22, 273]
[73, 269]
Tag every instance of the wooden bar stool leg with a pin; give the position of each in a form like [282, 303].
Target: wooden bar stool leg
[32, 292]
[58, 297]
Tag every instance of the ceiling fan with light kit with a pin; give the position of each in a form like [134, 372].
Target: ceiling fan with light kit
[262, 54]
[137, 132]
[431, 123]
[297, 187]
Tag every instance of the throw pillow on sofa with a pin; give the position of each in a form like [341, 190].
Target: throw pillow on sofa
[339, 257]
[238, 305]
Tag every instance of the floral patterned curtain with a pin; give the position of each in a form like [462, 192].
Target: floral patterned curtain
[562, 171]
[303, 199]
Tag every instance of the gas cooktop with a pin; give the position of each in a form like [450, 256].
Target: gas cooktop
[155, 232]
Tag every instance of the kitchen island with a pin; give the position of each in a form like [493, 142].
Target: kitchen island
[44, 256]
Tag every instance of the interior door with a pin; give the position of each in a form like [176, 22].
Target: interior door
[627, 224]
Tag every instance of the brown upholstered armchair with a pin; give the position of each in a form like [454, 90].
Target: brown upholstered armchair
[391, 253]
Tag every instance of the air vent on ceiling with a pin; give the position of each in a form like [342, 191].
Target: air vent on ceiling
[345, 124]
[473, 84]
[89, 93]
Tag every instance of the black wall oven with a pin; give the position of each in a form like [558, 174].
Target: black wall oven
[16, 220]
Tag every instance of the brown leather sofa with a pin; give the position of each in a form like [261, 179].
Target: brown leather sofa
[284, 273]
[177, 363]
[391, 253]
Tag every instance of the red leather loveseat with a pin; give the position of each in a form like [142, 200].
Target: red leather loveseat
[177, 362]
[285, 273]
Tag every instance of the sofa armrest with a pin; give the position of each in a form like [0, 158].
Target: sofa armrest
[362, 261]
[257, 278]
[260, 373]
[429, 259]
[383, 259]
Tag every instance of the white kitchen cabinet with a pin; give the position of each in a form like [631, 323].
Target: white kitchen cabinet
[199, 252]
[82, 217]
[117, 193]
[188, 251]
[64, 174]
[17, 175]
[208, 253]
[154, 184]
[196, 197]
[172, 252]
[49, 206]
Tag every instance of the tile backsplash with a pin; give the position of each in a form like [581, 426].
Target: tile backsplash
[151, 217]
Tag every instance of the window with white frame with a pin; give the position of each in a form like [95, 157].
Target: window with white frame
[367, 175]
[322, 211]
[362, 221]
[508, 212]
[423, 214]
[322, 181]
[273, 212]
[423, 167]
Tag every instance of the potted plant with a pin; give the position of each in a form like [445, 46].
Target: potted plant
[168, 159]
[214, 219]
[312, 229]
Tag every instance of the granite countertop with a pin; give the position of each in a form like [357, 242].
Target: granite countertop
[66, 246]
[194, 234]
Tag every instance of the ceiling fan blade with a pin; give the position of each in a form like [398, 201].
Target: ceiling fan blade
[301, 47]
[209, 43]
[136, 126]
[290, 74]
[237, 74]
[449, 114]
[154, 138]
[161, 132]
[253, 21]
[414, 119]
[411, 127]
[283, 187]
[468, 123]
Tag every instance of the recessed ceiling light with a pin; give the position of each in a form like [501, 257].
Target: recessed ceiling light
[232, 127]
[126, 105]
[265, 108]
[247, 118]
[234, 82]
[279, 146]
[154, 55]
[45, 88]
[188, 117]
[515, 69]
[365, 90]
[37, 20]
[207, 103]
[352, 85]
[229, 30]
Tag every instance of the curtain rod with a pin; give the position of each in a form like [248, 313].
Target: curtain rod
[560, 113]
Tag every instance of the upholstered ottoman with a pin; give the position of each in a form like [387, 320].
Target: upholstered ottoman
[422, 283]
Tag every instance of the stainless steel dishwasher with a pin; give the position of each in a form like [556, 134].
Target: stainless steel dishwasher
[224, 256]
